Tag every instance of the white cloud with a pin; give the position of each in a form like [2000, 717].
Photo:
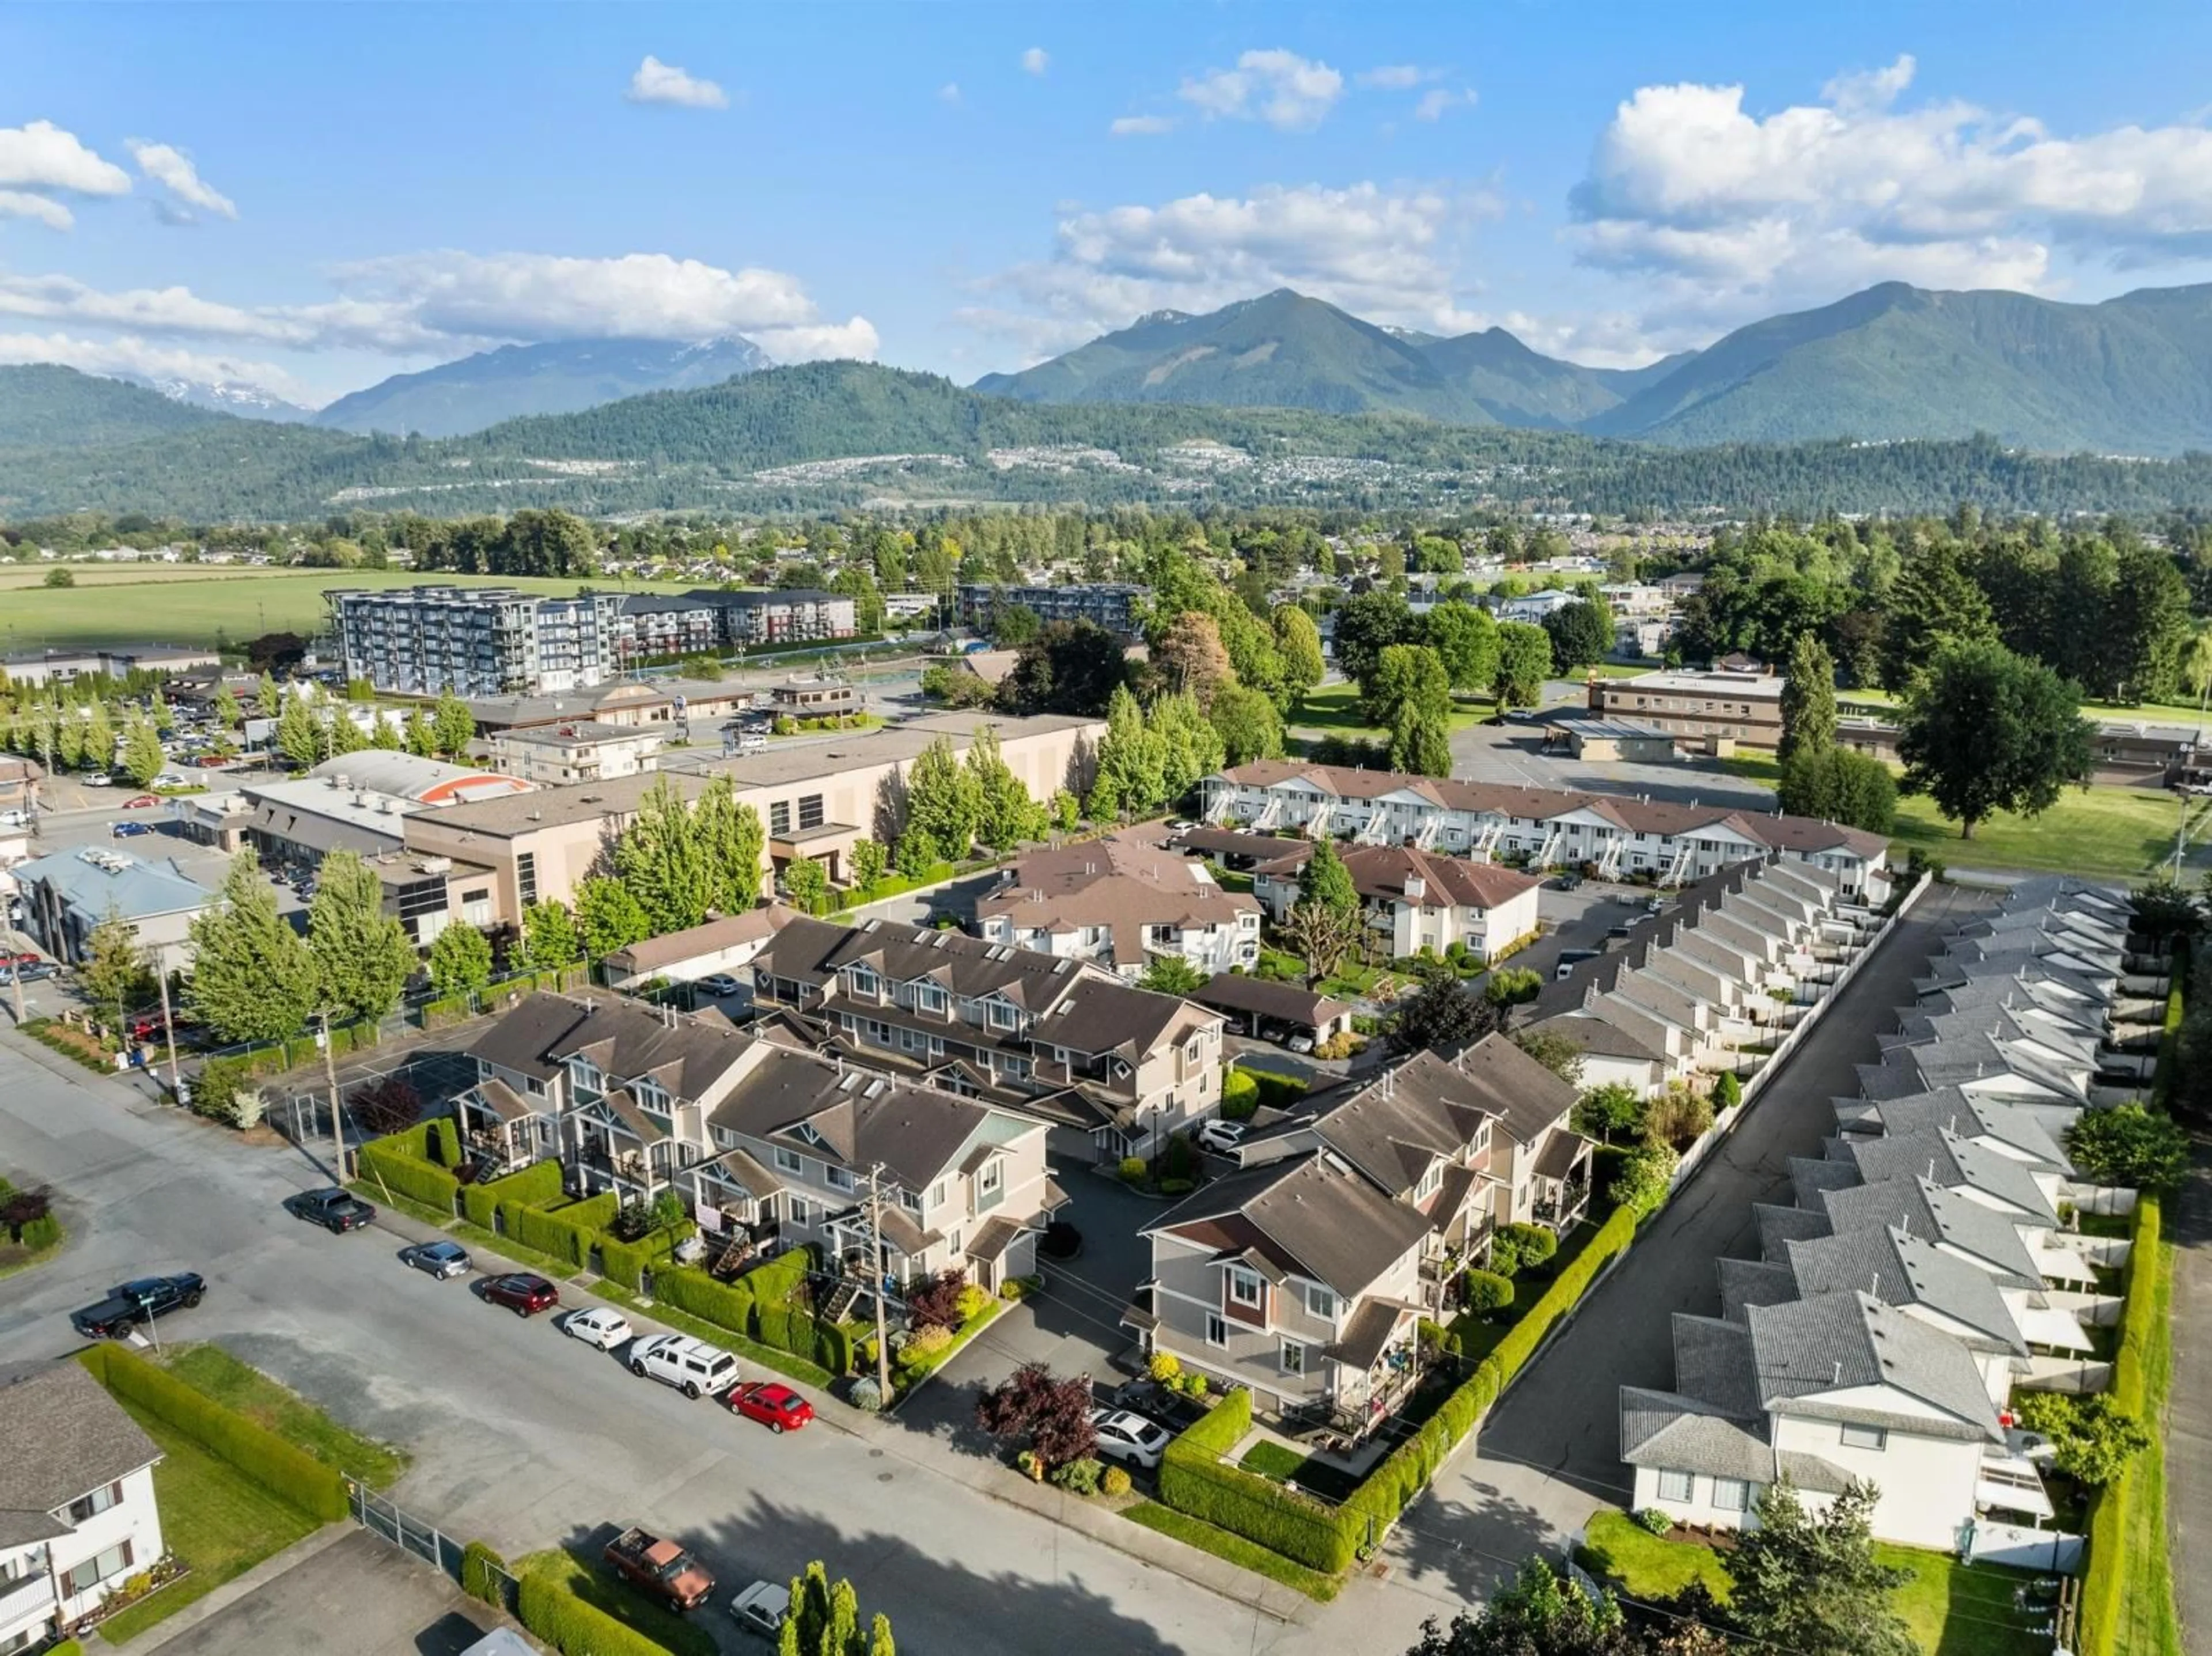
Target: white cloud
[1724, 213]
[1435, 102]
[1393, 77]
[21, 204]
[1036, 60]
[42, 156]
[128, 356]
[656, 82]
[1290, 93]
[949, 93]
[1141, 126]
[173, 169]
[444, 304]
[1385, 255]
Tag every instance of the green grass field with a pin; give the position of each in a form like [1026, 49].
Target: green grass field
[1334, 710]
[213, 1371]
[215, 1518]
[2149, 1625]
[186, 603]
[1952, 1609]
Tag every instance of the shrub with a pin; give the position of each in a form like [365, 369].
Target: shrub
[1504, 1256]
[1114, 1482]
[290, 1473]
[1164, 1367]
[1240, 1095]
[1194, 1384]
[567, 1234]
[549, 1608]
[1485, 1291]
[1277, 1092]
[1728, 1091]
[1134, 1170]
[537, 1185]
[219, 1081]
[937, 1302]
[386, 1106]
[40, 1234]
[1179, 1159]
[974, 1301]
[1178, 1186]
[1645, 1177]
[401, 1162]
[1079, 1477]
[626, 1263]
[867, 1395]
[925, 1343]
[1654, 1521]
[1677, 1118]
[480, 1567]
[1536, 1243]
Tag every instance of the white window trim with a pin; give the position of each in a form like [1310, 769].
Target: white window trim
[1238, 1275]
[1217, 1329]
[1682, 1494]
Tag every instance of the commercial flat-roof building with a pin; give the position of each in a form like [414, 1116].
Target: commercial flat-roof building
[65, 666]
[1740, 707]
[67, 893]
[474, 640]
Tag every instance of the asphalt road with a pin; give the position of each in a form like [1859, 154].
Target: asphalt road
[528, 1440]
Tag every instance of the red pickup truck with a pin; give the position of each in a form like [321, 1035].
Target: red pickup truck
[661, 1568]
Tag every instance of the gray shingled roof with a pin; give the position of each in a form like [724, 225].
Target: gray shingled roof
[1807, 1349]
[1950, 1160]
[1901, 1270]
[1713, 1363]
[1746, 1283]
[1936, 1215]
[1311, 1215]
[60, 1436]
[851, 1117]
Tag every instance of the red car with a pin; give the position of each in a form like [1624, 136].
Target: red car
[140, 803]
[9, 960]
[773, 1403]
[525, 1294]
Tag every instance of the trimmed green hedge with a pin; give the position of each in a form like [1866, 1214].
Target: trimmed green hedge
[758, 1305]
[288, 1472]
[1195, 1480]
[445, 1142]
[627, 1262]
[1277, 1092]
[552, 1611]
[567, 1234]
[1240, 1095]
[401, 1161]
[480, 1571]
[535, 1185]
[2104, 1573]
[726, 1305]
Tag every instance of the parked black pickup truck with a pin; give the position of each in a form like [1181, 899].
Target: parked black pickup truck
[138, 1302]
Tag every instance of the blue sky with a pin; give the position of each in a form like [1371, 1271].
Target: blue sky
[313, 195]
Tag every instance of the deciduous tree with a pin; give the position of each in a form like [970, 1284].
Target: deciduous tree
[730, 840]
[453, 726]
[1248, 724]
[1297, 642]
[1525, 662]
[1052, 1415]
[114, 971]
[660, 859]
[253, 978]
[944, 803]
[609, 916]
[2125, 1145]
[460, 961]
[549, 935]
[1465, 640]
[1005, 815]
[143, 758]
[1983, 731]
[363, 956]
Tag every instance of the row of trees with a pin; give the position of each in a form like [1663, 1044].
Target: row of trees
[255, 978]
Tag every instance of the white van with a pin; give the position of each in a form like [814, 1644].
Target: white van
[692, 1367]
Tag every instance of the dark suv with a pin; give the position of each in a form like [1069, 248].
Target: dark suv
[134, 1303]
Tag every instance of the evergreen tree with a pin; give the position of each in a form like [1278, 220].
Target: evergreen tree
[1297, 642]
[385, 737]
[609, 916]
[1189, 747]
[421, 736]
[1812, 1584]
[114, 971]
[460, 961]
[1837, 784]
[661, 861]
[944, 803]
[1934, 601]
[143, 758]
[1525, 662]
[253, 977]
[1808, 699]
[1325, 880]
[1171, 974]
[453, 726]
[548, 937]
[1983, 731]
[227, 711]
[363, 956]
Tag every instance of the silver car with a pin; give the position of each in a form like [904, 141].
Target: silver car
[440, 1260]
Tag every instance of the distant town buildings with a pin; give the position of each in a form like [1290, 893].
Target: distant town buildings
[652, 624]
[474, 640]
[1110, 604]
[65, 666]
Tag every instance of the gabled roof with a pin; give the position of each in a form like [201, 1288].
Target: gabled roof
[1237, 992]
[1426, 1106]
[1311, 1216]
[60, 1436]
[1938, 1215]
[1900, 1270]
[1125, 879]
[1939, 1154]
[627, 1040]
[1806, 1348]
[1384, 873]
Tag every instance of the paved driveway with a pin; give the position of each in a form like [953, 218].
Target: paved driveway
[1549, 1454]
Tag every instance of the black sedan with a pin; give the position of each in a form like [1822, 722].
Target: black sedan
[135, 1303]
[333, 1208]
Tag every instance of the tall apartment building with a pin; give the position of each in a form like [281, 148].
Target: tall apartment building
[474, 640]
[1110, 604]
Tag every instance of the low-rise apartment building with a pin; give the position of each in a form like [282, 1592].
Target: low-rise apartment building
[1110, 604]
[473, 641]
[582, 750]
[1416, 899]
[78, 1514]
[1615, 835]
[1120, 902]
[652, 624]
[1744, 708]
[1116, 1068]
[769, 1146]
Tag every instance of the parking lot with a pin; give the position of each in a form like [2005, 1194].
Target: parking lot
[1514, 752]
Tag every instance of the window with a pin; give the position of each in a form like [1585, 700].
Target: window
[1243, 1287]
[1866, 1437]
[929, 996]
[1431, 1182]
[840, 1178]
[936, 1194]
[865, 981]
[1294, 1358]
[802, 1210]
[98, 1501]
[1320, 1303]
[525, 878]
[779, 818]
[1676, 1486]
[1217, 1331]
[1003, 1015]
[91, 1573]
[789, 1160]
[990, 1183]
[1731, 1495]
[810, 811]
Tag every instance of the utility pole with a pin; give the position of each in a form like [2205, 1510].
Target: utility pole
[338, 1118]
[876, 1288]
[169, 1030]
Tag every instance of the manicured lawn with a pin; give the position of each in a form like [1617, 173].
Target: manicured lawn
[1762, 767]
[219, 1521]
[1952, 1609]
[213, 1371]
[1270, 1460]
[2149, 1625]
[1233, 1549]
[1647, 1566]
[598, 1587]
[2121, 832]
[1334, 708]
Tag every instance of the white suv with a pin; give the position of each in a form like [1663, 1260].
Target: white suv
[692, 1367]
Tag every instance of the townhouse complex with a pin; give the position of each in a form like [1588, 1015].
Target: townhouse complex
[1412, 898]
[1614, 836]
[1116, 1069]
[768, 1145]
[1303, 1275]
[1121, 901]
[1928, 1264]
[474, 640]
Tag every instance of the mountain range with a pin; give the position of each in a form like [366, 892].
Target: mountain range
[558, 378]
[2127, 376]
